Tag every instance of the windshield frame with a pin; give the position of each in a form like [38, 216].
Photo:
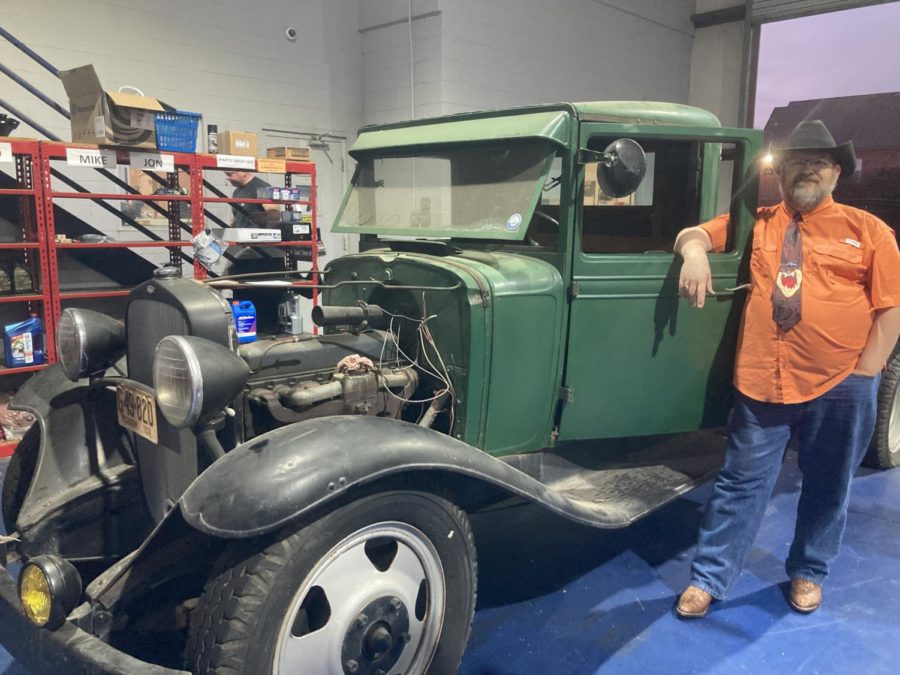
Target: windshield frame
[510, 233]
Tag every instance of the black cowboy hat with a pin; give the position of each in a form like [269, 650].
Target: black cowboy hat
[813, 136]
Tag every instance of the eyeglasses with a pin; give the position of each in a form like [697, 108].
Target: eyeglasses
[816, 163]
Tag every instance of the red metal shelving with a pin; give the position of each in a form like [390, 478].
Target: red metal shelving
[26, 158]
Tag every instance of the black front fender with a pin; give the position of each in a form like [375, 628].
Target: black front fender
[275, 479]
[84, 499]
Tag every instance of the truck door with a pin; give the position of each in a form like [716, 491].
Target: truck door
[639, 360]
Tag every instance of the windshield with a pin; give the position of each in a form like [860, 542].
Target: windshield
[484, 191]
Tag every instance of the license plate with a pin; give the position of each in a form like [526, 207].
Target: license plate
[137, 411]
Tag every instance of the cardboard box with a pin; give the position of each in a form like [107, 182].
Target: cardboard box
[248, 235]
[106, 117]
[281, 152]
[238, 143]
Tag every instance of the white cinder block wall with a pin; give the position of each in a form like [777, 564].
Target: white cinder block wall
[472, 54]
[228, 59]
[716, 65]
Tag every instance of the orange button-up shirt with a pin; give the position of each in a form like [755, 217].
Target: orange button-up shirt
[851, 267]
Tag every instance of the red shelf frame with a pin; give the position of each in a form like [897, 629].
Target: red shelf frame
[204, 163]
[33, 161]
[32, 213]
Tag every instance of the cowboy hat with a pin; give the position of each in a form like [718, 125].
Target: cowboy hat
[813, 136]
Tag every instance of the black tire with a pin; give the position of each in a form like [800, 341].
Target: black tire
[884, 453]
[365, 583]
[19, 473]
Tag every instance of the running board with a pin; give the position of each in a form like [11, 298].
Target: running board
[614, 482]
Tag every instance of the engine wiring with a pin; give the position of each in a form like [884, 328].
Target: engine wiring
[425, 338]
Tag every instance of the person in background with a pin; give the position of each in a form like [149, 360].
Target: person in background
[821, 319]
[246, 184]
[254, 259]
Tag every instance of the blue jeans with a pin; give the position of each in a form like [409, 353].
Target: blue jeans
[833, 432]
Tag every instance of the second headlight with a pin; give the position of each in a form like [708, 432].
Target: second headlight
[195, 378]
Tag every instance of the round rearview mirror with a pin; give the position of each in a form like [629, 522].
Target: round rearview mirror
[623, 170]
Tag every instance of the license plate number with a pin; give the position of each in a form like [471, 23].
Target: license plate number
[137, 411]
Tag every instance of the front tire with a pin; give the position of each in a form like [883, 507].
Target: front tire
[884, 452]
[383, 583]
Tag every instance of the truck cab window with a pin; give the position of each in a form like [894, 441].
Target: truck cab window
[647, 221]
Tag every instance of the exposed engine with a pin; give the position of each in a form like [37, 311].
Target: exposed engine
[300, 377]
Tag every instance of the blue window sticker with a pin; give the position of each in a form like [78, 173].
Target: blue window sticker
[515, 220]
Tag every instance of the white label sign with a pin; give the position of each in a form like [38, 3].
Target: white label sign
[152, 161]
[95, 158]
[236, 162]
[6, 152]
[302, 179]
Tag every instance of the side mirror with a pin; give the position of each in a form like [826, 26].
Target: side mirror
[623, 168]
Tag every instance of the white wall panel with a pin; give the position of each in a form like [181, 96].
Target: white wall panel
[226, 59]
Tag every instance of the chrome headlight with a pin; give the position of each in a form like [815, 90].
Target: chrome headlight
[195, 378]
[88, 342]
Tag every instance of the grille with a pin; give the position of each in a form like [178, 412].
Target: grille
[149, 322]
[169, 467]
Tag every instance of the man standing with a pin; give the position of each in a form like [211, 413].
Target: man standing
[821, 319]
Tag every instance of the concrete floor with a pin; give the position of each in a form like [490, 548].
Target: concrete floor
[575, 600]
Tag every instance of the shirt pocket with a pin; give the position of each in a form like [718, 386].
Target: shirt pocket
[762, 257]
[840, 261]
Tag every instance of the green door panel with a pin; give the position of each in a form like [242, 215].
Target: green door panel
[639, 360]
[652, 364]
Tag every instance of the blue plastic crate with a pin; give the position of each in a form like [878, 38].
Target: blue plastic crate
[176, 130]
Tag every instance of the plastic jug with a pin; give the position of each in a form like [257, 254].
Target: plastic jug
[244, 313]
[23, 343]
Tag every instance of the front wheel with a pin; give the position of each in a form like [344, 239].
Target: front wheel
[884, 452]
[384, 584]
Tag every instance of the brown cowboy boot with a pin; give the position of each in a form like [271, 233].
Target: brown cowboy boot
[694, 603]
[806, 596]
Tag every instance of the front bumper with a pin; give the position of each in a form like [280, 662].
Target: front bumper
[67, 650]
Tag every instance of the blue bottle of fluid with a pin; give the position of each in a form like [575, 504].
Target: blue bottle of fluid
[23, 343]
[244, 320]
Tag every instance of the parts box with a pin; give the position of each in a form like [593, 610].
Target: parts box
[105, 117]
[300, 154]
[246, 235]
[238, 143]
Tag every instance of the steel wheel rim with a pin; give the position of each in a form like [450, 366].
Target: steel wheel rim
[893, 435]
[351, 583]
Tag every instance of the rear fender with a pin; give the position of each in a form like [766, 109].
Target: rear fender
[279, 477]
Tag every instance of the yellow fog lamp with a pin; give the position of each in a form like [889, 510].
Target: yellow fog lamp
[49, 588]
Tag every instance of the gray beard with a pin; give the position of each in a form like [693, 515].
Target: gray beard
[806, 196]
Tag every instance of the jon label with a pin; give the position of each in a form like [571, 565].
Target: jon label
[152, 161]
[6, 152]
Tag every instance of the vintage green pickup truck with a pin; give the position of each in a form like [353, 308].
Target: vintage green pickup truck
[510, 329]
